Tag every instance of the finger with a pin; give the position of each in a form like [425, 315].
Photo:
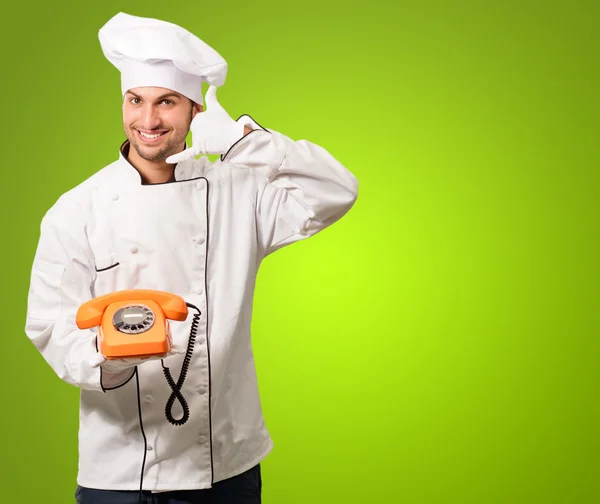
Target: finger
[97, 360]
[132, 361]
[181, 156]
[177, 350]
[177, 158]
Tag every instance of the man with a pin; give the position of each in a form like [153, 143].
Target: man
[158, 218]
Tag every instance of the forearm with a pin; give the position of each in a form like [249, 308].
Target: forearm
[61, 276]
[66, 350]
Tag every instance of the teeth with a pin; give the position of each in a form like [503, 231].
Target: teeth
[149, 136]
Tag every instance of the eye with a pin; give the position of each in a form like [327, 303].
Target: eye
[134, 101]
[167, 102]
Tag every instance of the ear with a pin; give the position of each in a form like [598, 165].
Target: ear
[196, 109]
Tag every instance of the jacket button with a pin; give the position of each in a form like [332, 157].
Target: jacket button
[115, 197]
[201, 184]
[202, 390]
[149, 448]
[134, 250]
[148, 398]
[198, 290]
[201, 439]
[199, 340]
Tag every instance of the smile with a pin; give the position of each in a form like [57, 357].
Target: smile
[150, 137]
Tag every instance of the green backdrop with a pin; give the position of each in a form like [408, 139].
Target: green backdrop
[437, 345]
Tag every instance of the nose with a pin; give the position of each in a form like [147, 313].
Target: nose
[150, 117]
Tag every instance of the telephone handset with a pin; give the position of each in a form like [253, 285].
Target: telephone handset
[132, 323]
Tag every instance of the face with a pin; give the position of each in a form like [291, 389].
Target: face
[157, 121]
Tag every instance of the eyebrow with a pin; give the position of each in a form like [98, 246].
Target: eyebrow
[161, 97]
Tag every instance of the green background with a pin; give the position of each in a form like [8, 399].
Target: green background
[440, 343]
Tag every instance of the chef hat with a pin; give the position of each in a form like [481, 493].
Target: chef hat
[150, 52]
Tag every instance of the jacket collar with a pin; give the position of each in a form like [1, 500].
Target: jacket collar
[130, 173]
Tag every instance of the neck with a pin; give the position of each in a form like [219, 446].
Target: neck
[151, 172]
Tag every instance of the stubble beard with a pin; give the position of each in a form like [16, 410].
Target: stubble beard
[154, 154]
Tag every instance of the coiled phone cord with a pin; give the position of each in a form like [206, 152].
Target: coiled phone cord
[176, 387]
[176, 394]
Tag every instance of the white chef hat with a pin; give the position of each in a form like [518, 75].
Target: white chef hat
[150, 52]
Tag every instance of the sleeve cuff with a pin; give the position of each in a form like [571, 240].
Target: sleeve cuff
[261, 149]
[246, 120]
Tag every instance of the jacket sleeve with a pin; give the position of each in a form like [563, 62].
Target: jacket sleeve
[61, 279]
[302, 188]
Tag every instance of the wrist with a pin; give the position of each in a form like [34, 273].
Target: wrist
[115, 379]
[117, 366]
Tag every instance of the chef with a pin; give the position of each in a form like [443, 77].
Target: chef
[159, 218]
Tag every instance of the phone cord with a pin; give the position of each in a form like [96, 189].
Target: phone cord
[137, 382]
[176, 387]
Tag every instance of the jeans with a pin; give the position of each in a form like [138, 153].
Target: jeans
[245, 488]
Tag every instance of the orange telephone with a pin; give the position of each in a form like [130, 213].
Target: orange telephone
[132, 323]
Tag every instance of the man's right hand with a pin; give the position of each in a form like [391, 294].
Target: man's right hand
[119, 365]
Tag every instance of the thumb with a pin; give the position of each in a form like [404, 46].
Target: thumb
[97, 360]
[211, 97]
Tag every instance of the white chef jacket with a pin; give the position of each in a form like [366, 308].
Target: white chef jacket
[202, 237]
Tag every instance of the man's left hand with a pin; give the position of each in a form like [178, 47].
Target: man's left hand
[213, 131]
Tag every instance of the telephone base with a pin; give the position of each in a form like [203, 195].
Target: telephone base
[136, 356]
[141, 350]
